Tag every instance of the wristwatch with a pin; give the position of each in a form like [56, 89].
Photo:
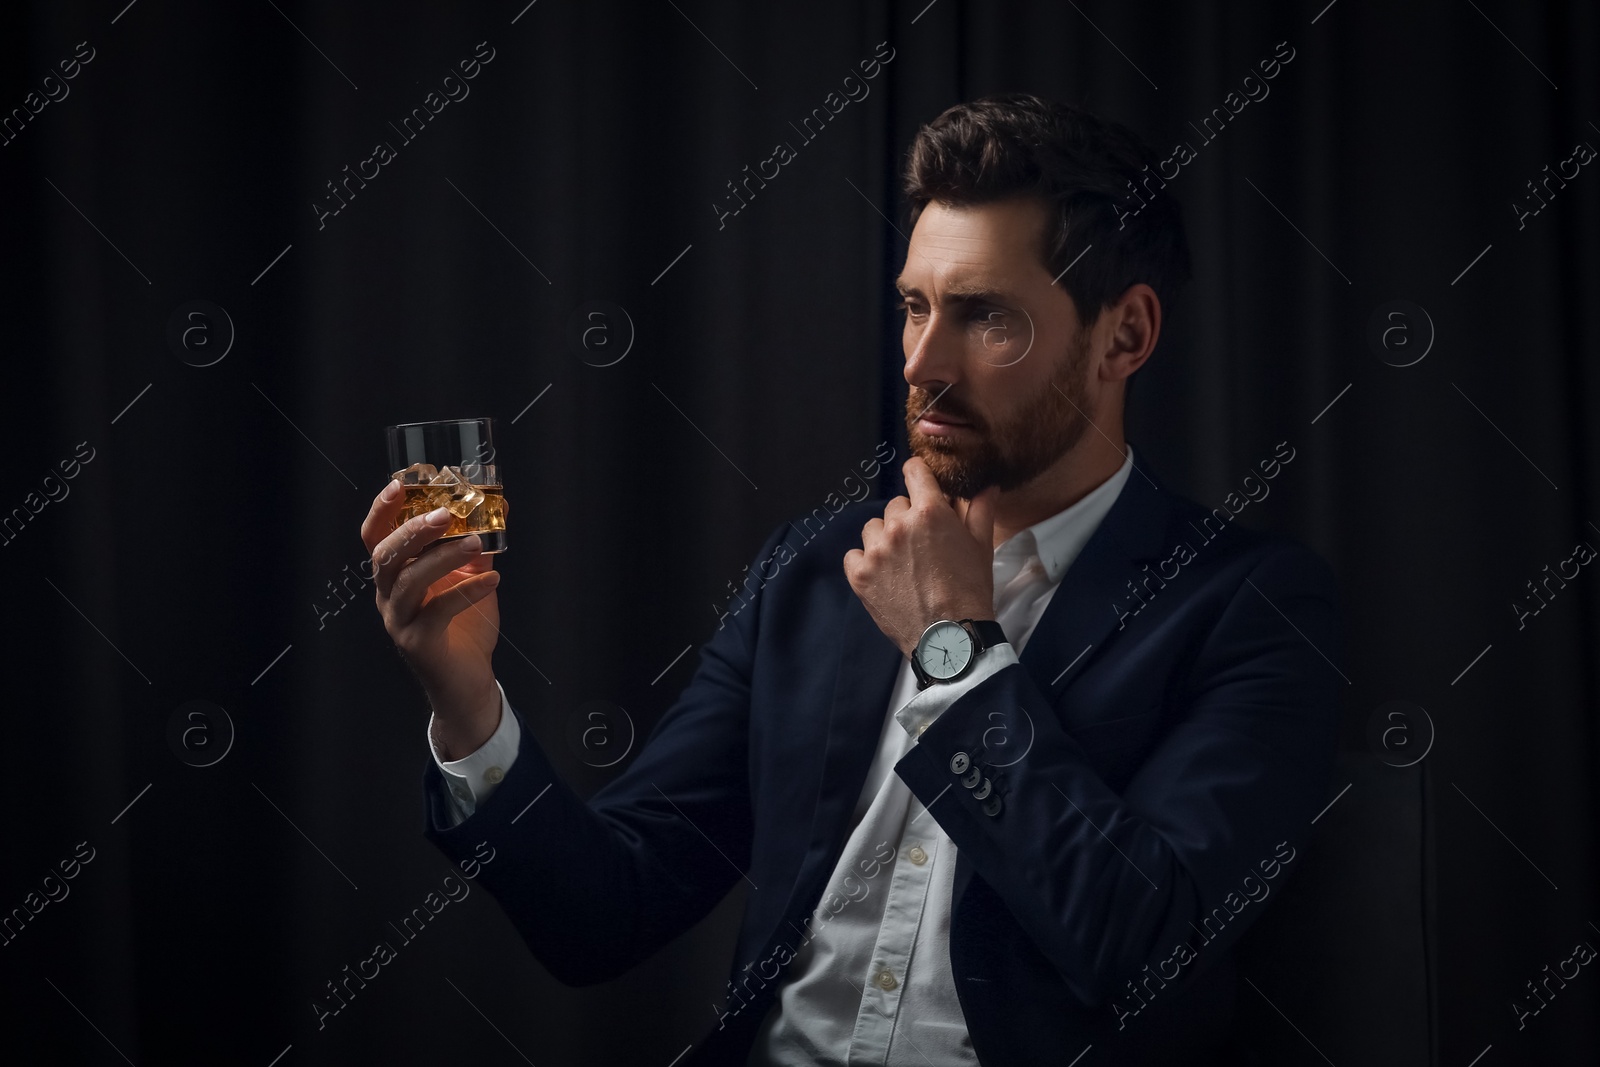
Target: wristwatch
[947, 648]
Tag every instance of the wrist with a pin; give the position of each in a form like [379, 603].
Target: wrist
[462, 725]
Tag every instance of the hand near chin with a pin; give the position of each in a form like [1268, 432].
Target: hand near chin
[926, 559]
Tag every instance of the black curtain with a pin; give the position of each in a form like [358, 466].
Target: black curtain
[209, 321]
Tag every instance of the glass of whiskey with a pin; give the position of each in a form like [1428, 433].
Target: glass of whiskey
[451, 464]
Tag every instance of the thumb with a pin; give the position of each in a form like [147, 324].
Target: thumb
[980, 516]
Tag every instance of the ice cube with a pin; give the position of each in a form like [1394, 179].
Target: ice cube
[455, 492]
[417, 474]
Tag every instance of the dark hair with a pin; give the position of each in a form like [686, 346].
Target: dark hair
[1099, 179]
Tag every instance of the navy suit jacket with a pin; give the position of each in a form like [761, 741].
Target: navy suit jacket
[1157, 760]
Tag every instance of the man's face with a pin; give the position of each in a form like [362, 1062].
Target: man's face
[995, 356]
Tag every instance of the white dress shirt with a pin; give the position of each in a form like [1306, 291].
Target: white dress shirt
[871, 982]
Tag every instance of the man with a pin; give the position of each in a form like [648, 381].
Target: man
[996, 756]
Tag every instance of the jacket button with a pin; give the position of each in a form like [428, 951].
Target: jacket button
[983, 791]
[972, 778]
[959, 763]
[991, 806]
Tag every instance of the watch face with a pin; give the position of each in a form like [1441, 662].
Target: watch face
[945, 650]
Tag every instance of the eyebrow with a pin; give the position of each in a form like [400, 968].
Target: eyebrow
[958, 294]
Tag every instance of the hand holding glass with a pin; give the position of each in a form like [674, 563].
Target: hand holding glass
[450, 464]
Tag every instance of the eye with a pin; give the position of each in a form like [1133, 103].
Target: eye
[992, 322]
[908, 308]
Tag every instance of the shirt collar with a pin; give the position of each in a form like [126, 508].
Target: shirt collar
[1057, 540]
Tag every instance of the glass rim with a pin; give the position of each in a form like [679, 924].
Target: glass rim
[439, 422]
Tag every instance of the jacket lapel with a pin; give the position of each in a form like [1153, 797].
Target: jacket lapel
[1081, 618]
[869, 663]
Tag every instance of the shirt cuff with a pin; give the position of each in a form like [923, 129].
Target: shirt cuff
[928, 704]
[469, 780]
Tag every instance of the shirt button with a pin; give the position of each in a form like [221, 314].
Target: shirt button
[461, 792]
[493, 775]
[885, 979]
[917, 856]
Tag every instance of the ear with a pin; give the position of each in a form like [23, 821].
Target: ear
[1132, 325]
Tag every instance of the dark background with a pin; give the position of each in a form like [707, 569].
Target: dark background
[188, 561]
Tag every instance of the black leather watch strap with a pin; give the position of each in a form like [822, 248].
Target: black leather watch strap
[988, 633]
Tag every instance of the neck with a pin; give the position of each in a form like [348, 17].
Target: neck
[1068, 480]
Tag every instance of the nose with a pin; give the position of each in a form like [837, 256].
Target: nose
[933, 354]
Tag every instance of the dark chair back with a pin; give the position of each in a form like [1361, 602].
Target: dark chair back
[1344, 959]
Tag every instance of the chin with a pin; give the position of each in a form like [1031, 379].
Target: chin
[944, 459]
[956, 480]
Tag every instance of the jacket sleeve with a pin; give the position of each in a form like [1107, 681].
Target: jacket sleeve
[1105, 883]
[594, 888]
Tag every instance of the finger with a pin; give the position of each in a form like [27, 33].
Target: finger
[380, 518]
[478, 564]
[897, 505]
[405, 543]
[852, 562]
[464, 594]
[410, 589]
[978, 515]
[921, 485]
[871, 532]
[963, 505]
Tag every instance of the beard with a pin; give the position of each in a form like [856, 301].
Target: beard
[1012, 452]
